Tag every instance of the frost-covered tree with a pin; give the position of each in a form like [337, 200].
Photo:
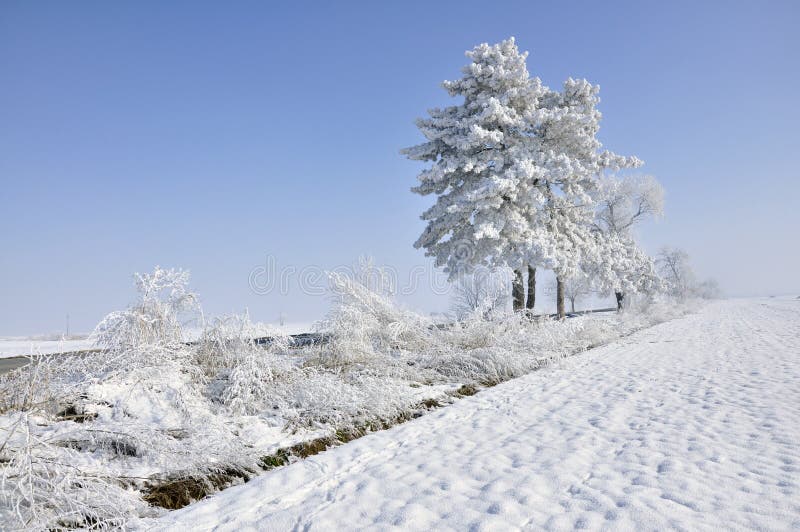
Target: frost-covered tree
[708, 289]
[680, 279]
[483, 292]
[515, 170]
[484, 165]
[572, 165]
[617, 265]
[623, 203]
[574, 288]
[674, 267]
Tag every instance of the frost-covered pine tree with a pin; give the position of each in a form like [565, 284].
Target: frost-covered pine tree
[572, 165]
[515, 168]
[484, 165]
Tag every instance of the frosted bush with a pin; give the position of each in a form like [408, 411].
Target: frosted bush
[156, 316]
[242, 373]
[229, 340]
[365, 323]
[252, 383]
[42, 489]
[342, 399]
[489, 352]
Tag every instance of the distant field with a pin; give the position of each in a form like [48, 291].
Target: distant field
[16, 346]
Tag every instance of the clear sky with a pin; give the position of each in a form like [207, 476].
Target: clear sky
[211, 136]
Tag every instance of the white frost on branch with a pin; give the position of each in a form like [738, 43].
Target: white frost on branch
[483, 293]
[156, 318]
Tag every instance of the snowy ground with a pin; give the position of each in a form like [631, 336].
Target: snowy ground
[691, 424]
[16, 347]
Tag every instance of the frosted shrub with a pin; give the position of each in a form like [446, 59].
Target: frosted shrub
[156, 316]
[243, 374]
[30, 387]
[224, 343]
[253, 382]
[323, 398]
[488, 352]
[40, 489]
[365, 323]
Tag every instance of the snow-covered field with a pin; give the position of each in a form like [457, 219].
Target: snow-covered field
[692, 424]
[19, 346]
[16, 346]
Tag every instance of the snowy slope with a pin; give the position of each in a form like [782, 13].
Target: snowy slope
[690, 424]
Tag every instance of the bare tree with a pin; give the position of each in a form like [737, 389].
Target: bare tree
[680, 279]
[626, 202]
[673, 265]
[576, 289]
[483, 292]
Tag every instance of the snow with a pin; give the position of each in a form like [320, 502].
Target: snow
[16, 347]
[691, 424]
[259, 329]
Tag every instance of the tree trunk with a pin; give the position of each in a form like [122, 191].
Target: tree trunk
[560, 298]
[518, 291]
[620, 296]
[531, 301]
[572, 304]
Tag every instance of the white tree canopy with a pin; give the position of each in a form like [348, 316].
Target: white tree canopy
[625, 202]
[575, 165]
[619, 265]
[484, 163]
[515, 168]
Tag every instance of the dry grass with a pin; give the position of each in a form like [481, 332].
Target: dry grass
[178, 491]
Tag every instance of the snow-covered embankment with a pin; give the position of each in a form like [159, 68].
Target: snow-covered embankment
[689, 424]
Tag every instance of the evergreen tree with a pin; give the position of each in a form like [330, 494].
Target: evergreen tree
[515, 168]
[483, 169]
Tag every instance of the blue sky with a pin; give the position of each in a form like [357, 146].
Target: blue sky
[212, 135]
